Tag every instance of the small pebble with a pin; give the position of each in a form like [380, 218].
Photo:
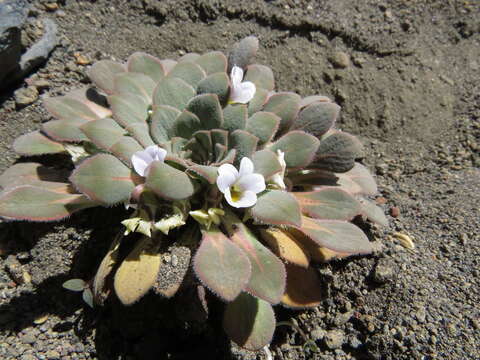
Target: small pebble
[339, 59]
[334, 339]
[26, 96]
[395, 211]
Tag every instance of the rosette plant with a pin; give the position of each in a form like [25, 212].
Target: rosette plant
[249, 186]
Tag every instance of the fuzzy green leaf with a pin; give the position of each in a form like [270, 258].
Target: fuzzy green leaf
[67, 108]
[373, 212]
[103, 74]
[221, 265]
[258, 101]
[35, 143]
[263, 125]
[243, 53]
[220, 137]
[244, 143]
[146, 64]
[213, 62]
[103, 133]
[337, 152]
[313, 99]
[249, 322]
[268, 272]
[65, 130]
[317, 118]
[173, 92]
[235, 117]
[186, 124]
[299, 148]
[141, 133]
[162, 123]
[339, 236]
[286, 105]
[207, 108]
[129, 109]
[104, 178]
[358, 181]
[217, 84]
[277, 207]
[32, 174]
[168, 182]
[189, 57]
[261, 76]
[328, 203]
[189, 72]
[168, 65]
[209, 173]
[135, 83]
[125, 148]
[33, 203]
[265, 162]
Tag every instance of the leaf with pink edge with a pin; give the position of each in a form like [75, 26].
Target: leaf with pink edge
[208, 173]
[317, 118]
[298, 146]
[243, 53]
[169, 183]
[189, 72]
[95, 101]
[249, 322]
[258, 101]
[313, 99]
[213, 62]
[208, 109]
[141, 133]
[103, 74]
[103, 133]
[125, 148]
[189, 57]
[33, 203]
[217, 84]
[244, 143]
[265, 162]
[235, 117]
[104, 178]
[31, 174]
[135, 83]
[128, 109]
[261, 76]
[286, 105]
[35, 143]
[162, 123]
[221, 265]
[173, 92]
[277, 207]
[263, 125]
[373, 212]
[65, 130]
[149, 65]
[168, 65]
[268, 272]
[69, 109]
[358, 181]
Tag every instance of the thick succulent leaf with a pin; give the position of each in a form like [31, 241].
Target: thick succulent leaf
[128, 109]
[103, 133]
[74, 285]
[208, 109]
[243, 53]
[173, 92]
[286, 105]
[235, 117]
[244, 143]
[304, 288]
[101, 290]
[328, 203]
[178, 144]
[198, 153]
[189, 72]
[337, 152]
[213, 62]
[95, 101]
[217, 84]
[125, 148]
[358, 181]
[261, 76]
[104, 178]
[220, 136]
[258, 101]
[67, 108]
[317, 118]
[186, 124]
[146, 64]
[103, 73]
[204, 138]
[135, 83]
[268, 272]
[265, 162]
[229, 158]
[373, 212]
[208, 173]
[168, 65]
[220, 152]
[189, 57]
[35, 143]
[221, 265]
[162, 123]
[33, 203]
[168, 182]
[249, 322]
[263, 125]
[141, 133]
[286, 246]
[313, 99]
[32, 174]
[65, 130]
[298, 146]
[277, 207]
[339, 236]
[317, 253]
[138, 272]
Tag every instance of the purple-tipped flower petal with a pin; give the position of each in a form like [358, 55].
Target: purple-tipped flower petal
[241, 92]
[240, 187]
[141, 160]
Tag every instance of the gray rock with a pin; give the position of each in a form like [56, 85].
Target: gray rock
[12, 16]
[334, 339]
[26, 96]
[383, 273]
[339, 59]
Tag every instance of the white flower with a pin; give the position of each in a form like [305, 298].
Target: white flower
[277, 179]
[240, 187]
[141, 160]
[241, 92]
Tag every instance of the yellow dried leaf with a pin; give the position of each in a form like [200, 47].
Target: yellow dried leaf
[286, 246]
[138, 272]
[405, 240]
[304, 287]
[100, 292]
